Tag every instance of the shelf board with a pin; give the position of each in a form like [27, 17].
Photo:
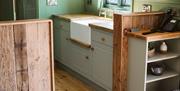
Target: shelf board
[167, 74]
[154, 36]
[161, 57]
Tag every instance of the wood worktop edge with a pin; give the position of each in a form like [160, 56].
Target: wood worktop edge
[94, 26]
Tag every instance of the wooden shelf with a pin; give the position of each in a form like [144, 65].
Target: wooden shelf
[161, 57]
[167, 74]
[154, 36]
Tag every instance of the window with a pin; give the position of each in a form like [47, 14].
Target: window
[112, 2]
[118, 2]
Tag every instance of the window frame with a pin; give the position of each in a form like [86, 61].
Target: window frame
[106, 2]
[119, 4]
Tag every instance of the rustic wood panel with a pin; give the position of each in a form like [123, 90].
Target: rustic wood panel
[26, 55]
[21, 57]
[117, 81]
[7, 59]
[122, 24]
[38, 44]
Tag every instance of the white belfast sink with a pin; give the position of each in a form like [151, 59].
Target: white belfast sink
[81, 31]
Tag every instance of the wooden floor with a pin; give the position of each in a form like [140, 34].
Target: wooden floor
[65, 82]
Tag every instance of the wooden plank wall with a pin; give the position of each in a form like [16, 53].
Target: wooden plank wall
[122, 24]
[26, 56]
[38, 53]
[7, 59]
[22, 79]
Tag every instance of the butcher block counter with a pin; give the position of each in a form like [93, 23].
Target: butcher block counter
[26, 55]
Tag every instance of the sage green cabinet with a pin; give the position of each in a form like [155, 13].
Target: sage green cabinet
[102, 59]
[102, 65]
[61, 42]
[69, 53]
[93, 63]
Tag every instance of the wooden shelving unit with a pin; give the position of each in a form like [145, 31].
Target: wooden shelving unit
[161, 57]
[167, 74]
[139, 62]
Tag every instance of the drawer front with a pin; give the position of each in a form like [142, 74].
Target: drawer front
[102, 37]
[81, 62]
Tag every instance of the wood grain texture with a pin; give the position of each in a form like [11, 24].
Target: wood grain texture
[7, 59]
[66, 82]
[141, 13]
[70, 17]
[122, 24]
[21, 57]
[38, 55]
[155, 36]
[26, 55]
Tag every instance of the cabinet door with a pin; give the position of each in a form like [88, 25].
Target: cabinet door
[102, 65]
[39, 57]
[57, 43]
[61, 42]
[57, 34]
[7, 59]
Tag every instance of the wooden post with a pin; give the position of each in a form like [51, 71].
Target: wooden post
[122, 22]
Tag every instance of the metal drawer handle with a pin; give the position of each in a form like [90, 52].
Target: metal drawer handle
[103, 39]
[87, 57]
[67, 39]
[92, 48]
[61, 26]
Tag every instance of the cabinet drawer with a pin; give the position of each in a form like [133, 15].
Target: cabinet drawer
[102, 37]
[82, 63]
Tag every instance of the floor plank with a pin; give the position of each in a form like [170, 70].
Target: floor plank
[66, 82]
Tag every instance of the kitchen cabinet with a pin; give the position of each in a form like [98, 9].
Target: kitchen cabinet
[94, 63]
[74, 56]
[102, 65]
[61, 36]
[26, 56]
[102, 58]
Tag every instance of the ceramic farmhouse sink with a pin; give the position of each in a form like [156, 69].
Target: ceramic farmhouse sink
[81, 31]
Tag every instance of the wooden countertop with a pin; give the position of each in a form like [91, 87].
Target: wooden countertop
[141, 13]
[70, 17]
[154, 36]
[106, 25]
